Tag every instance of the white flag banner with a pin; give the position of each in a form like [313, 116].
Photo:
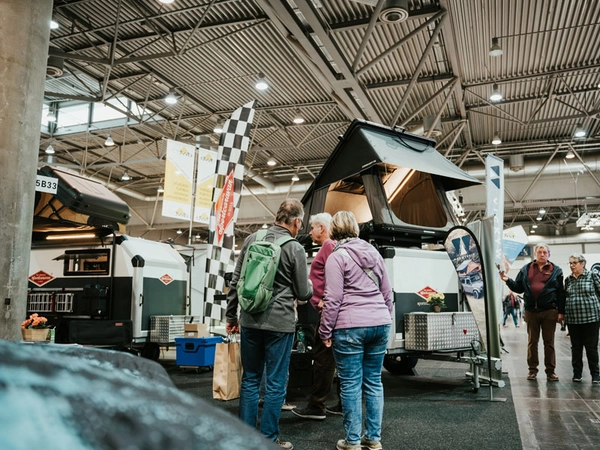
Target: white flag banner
[494, 186]
[205, 180]
[179, 176]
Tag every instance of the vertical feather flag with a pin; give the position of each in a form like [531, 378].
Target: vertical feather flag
[235, 141]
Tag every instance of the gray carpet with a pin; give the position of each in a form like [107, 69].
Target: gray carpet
[436, 409]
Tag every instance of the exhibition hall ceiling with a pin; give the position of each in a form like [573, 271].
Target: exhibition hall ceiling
[429, 67]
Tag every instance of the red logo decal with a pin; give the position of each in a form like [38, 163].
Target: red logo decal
[166, 278]
[426, 292]
[224, 206]
[41, 278]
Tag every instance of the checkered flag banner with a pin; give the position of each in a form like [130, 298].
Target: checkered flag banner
[233, 147]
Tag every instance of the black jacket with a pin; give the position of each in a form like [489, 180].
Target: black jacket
[551, 297]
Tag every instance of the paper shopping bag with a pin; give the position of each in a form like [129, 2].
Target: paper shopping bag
[227, 372]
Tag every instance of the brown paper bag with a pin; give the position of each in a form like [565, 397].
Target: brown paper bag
[227, 372]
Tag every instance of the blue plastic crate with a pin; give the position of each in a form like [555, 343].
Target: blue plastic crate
[197, 352]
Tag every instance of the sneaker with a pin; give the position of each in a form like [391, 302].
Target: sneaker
[335, 410]
[517, 326]
[287, 407]
[552, 377]
[374, 445]
[577, 379]
[505, 326]
[532, 376]
[343, 444]
[596, 379]
[283, 444]
[309, 413]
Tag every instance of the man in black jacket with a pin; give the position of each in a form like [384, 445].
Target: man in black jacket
[542, 286]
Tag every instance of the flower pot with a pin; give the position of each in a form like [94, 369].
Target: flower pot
[436, 308]
[35, 334]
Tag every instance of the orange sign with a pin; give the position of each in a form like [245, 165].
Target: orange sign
[426, 292]
[224, 206]
[41, 278]
[166, 278]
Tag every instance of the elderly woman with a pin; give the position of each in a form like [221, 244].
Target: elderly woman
[582, 315]
[356, 320]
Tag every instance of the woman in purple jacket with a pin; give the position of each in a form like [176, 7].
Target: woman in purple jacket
[356, 319]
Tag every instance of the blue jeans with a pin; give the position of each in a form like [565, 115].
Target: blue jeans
[513, 312]
[264, 351]
[359, 356]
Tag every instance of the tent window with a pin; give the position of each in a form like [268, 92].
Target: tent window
[348, 195]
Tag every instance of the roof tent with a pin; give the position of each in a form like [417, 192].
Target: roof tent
[79, 204]
[394, 182]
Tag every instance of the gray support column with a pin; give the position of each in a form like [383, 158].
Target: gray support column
[24, 37]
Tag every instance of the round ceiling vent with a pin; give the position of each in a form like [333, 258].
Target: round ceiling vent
[55, 65]
[394, 11]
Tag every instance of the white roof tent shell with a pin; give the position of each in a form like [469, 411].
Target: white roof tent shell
[394, 182]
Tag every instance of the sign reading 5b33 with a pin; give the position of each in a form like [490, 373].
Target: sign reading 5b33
[46, 184]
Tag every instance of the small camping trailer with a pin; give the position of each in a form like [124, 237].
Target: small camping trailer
[396, 185]
[97, 286]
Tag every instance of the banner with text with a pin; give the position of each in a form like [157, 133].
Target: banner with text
[179, 176]
[205, 179]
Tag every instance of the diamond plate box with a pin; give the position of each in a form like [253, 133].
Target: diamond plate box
[439, 331]
[164, 329]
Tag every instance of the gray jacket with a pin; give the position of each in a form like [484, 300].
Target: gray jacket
[292, 273]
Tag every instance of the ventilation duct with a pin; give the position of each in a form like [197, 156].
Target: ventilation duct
[54, 67]
[394, 11]
[516, 162]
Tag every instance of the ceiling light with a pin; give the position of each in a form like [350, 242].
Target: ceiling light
[538, 218]
[496, 95]
[53, 25]
[50, 117]
[170, 98]
[265, 226]
[542, 211]
[218, 127]
[570, 154]
[531, 231]
[298, 119]
[50, 150]
[534, 226]
[166, 2]
[198, 237]
[57, 237]
[261, 83]
[179, 232]
[125, 176]
[580, 132]
[109, 141]
[271, 162]
[295, 177]
[496, 140]
[495, 49]
[161, 189]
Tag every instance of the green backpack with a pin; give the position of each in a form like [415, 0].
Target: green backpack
[255, 286]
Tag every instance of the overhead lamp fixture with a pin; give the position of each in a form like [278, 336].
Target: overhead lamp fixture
[218, 127]
[295, 177]
[166, 2]
[171, 99]
[495, 49]
[161, 189]
[496, 95]
[50, 150]
[50, 117]
[109, 141]
[271, 162]
[580, 132]
[57, 237]
[264, 226]
[538, 218]
[198, 237]
[179, 232]
[570, 154]
[534, 226]
[531, 231]
[125, 176]
[542, 211]
[261, 83]
[496, 140]
[53, 25]
[298, 119]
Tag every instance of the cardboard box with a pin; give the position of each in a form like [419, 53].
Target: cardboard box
[196, 352]
[195, 330]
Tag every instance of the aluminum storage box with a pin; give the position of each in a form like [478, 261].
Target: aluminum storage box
[164, 329]
[439, 331]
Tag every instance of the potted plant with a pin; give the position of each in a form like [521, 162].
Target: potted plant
[436, 301]
[35, 328]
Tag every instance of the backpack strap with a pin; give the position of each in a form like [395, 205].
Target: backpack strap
[368, 272]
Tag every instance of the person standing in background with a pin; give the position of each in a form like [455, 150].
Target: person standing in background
[582, 315]
[356, 320]
[323, 369]
[511, 306]
[541, 283]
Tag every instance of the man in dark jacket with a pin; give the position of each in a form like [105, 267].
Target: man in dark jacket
[542, 286]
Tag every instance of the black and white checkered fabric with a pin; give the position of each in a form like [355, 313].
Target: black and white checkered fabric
[233, 147]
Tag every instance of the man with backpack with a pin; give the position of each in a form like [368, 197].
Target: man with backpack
[267, 317]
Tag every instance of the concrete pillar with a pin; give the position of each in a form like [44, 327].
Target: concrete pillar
[24, 38]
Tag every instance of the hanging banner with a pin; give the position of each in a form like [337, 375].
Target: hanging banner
[494, 186]
[233, 147]
[464, 252]
[514, 241]
[179, 176]
[205, 180]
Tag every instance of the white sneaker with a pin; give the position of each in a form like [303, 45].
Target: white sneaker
[287, 407]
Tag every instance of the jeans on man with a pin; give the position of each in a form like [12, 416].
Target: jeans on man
[513, 312]
[546, 322]
[359, 354]
[584, 335]
[261, 351]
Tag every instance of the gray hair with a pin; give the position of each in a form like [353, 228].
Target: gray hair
[541, 245]
[323, 219]
[578, 256]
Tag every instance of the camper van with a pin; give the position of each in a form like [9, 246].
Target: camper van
[397, 186]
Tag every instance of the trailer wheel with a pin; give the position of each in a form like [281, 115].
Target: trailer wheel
[400, 365]
[151, 350]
